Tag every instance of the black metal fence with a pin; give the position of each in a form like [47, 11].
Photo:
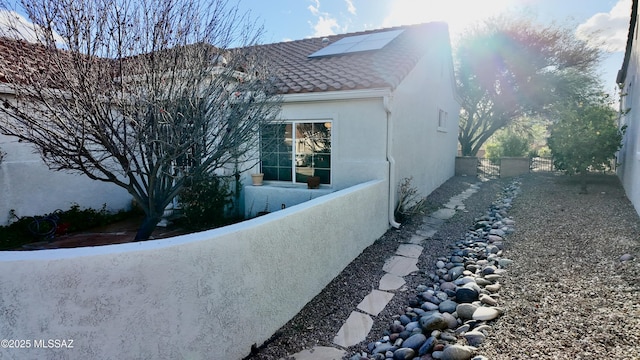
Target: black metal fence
[490, 168]
[541, 164]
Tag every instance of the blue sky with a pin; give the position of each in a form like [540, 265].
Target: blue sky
[297, 19]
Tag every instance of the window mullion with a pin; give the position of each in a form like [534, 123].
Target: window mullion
[294, 139]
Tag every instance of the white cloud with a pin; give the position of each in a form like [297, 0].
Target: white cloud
[350, 8]
[324, 24]
[608, 31]
[315, 10]
[15, 26]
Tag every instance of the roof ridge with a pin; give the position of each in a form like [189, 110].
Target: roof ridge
[356, 33]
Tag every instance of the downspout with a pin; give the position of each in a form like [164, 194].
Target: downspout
[386, 101]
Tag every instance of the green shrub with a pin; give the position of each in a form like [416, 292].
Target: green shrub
[17, 233]
[410, 202]
[205, 201]
[544, 152]
[76, 219]
[493, 151]
[514, 145]
[507, 144]
[586, 139]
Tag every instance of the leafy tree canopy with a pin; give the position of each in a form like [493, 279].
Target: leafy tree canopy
[586, 138]
[507, 142]
[510, 68]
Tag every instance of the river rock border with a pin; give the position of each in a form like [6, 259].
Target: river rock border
[451, 317]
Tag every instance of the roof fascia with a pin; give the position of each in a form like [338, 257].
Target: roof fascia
[337, 95]
[6, 89]
[622, 73]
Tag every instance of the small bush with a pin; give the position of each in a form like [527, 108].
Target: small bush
[17, 233]
[493, 152]
[410, 202]
[544, 152]
[507, 144]
[205, 201]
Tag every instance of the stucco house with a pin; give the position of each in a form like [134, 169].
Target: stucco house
[628, 76]
[361, 111]
[27, 185]
[377, 104]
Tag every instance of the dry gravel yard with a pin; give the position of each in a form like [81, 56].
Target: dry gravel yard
[566, 296]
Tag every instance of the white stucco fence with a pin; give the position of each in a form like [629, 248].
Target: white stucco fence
[209, 295]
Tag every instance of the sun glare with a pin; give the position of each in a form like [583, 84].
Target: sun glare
[459, 14]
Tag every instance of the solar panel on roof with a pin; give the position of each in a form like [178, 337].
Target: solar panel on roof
[358, 43]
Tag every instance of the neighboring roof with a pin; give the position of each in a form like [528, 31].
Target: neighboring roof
[293, 70]
[383, 68]
[622, 73]
[32, 58]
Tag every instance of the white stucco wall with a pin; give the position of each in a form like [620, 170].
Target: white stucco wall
[629, 155]
[421, 149]
[208, 295]
[30, 188]
[358, 147]
[358, 136]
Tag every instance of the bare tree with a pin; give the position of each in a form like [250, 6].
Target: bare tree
[144, 94]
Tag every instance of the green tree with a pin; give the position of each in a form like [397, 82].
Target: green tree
[507, 142]
[586, 138]
[508, 69]
[145, 94]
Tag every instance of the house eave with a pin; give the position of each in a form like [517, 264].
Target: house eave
[337, 95]
[6, 89]
[622, 73]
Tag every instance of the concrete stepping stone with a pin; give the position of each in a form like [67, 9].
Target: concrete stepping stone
[443, 214]
[418, 239]
[426, 233]
[319, 353]
[400, 265]
[409, 250]
[375, 302]
[454, 205]
[354, 330]
[431, 222]
[391, 282]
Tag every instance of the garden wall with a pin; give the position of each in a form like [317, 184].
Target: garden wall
[508, 166]
[513, 166]
[466, 166]
[208, 295]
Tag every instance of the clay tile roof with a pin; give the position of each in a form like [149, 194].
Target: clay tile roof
[296, 72]
[32, 58]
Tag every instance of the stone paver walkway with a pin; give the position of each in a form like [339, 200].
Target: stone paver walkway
[402, 263]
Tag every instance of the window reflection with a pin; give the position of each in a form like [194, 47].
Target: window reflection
[307, 152]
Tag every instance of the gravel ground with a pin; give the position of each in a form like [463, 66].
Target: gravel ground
[567, 296]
